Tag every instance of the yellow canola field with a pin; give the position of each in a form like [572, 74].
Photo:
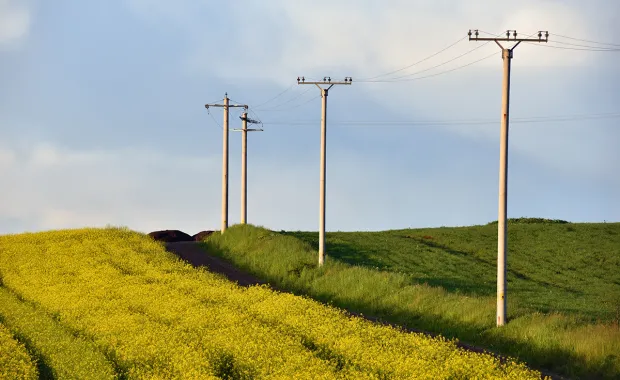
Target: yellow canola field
[15, 363]
[154, 316]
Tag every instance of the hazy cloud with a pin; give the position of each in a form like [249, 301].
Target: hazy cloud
[14, 21]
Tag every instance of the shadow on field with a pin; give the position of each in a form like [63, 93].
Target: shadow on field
[491, 265]
[354, 256]
[340, 251]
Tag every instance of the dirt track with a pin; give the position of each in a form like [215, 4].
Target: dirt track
[194, 254]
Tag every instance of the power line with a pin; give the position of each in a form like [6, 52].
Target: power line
[432, 75]
[585, 46]
[279, 106]
[256, 116]
[582, 40]
[418, 62]
[395, 79]
[522, 120]
[293, 107]
[275, 97]
[215, 121]
[576, 48]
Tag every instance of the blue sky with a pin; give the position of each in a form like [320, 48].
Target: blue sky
[102, 117]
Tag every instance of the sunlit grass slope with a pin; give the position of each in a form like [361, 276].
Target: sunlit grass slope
[153, 316]
[442, 280]
[15, 363]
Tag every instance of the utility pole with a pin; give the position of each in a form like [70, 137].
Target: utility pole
[502, 243]
[226, 107]
[324, 92]
[244, 159]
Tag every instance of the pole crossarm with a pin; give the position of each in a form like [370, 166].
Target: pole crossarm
[508, 38]
[248, 130]
[227, 105]
[325, 81]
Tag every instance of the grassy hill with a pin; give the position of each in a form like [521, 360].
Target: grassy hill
[113, 304]
[563, 284]
[571, 268]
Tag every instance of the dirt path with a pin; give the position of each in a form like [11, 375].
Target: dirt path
[193, 253]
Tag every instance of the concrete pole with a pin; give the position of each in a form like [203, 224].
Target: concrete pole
[503, 193]
[244, 173]
[324, 92]
[225, 168]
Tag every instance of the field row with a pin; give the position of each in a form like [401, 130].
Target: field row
[125, 299]
[15, 363]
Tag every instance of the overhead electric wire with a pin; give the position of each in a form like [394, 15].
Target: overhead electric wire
[292, 107]
[436, 74]
[288, 101]
[215, 121]
[585, 46]
[256, 116]
[574, 48]
[582, 40]
[441, 64]
[531, 119]
[416, 63]
[275, 97]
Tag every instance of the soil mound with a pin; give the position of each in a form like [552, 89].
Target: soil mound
[200, 236]
[170, 236]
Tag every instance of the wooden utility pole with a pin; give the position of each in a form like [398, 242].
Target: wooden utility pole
[502, 242]
[324, 92]
[226, 107]
[244, 159]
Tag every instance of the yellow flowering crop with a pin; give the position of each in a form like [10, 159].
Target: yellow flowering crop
[15, 363]
[154, 316]
[65, 354]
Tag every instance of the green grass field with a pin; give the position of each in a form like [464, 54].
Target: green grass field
[563, 284]
[569, 268]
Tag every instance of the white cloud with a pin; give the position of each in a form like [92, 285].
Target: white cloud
[14, 21]
[281, 39]
[7, 159]
[46, 187]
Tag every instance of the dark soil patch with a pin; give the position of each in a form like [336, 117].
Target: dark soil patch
[200, 236]
[170, 236]
[195, 254]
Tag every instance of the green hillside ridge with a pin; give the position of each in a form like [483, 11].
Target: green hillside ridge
[563, 283]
